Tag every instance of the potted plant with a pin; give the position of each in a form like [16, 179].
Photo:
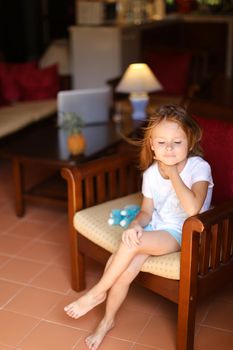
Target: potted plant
[72, 123]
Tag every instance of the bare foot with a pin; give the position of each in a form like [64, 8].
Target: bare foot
[96, 338]
[84, 304]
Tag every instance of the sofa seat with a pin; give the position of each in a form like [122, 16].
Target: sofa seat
[21, 114]
[93, 224]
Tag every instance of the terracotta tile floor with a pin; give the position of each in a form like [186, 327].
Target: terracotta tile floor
[35, 286]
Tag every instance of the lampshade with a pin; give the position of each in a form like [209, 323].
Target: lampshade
[138, 78]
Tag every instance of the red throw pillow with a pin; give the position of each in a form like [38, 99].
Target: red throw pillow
[171, 69]
[217, 142]
[8, 87]
[39, 84]
[9, 73]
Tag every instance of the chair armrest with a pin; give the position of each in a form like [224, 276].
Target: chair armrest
[207, 243]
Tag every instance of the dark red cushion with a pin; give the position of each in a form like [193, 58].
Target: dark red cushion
[8, 89]
[38, 84]
[9, 74]
[25, 82]
[171, 69]
[217, 143]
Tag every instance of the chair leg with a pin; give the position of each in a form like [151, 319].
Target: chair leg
[186, 323]
[77, 265]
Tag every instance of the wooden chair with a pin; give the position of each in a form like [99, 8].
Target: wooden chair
[204, 264]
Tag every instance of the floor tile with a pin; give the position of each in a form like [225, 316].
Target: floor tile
[57, 234]
[41, 251]
[4, 259]
[220, 315]
[53, 278]
[129, 324]
[214, 339]
[8, 219]
[160, 332]
[14, 327]
[20, 270]
[33, 302]
[226, 293]
[143, 347]
[108, 343]
[7, 291]
[63, 259]
[12, 245]
[49, 336]
[28, 229]
[140, 299]
[4, 347]
[45, 214]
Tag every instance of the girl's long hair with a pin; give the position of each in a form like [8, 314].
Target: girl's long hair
[175, 114]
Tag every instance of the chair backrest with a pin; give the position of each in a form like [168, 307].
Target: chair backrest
[92, 105]
[217, 144]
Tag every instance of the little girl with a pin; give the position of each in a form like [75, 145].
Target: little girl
[177, 183]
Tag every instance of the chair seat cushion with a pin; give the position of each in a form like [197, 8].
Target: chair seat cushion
[93, 224]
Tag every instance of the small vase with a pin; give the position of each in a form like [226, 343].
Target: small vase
[76, 144]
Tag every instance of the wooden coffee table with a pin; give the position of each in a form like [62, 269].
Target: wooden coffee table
[43, 149]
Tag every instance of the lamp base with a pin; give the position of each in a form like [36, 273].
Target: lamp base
[139, 104]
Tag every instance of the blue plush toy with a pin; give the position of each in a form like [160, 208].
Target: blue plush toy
[123, 217]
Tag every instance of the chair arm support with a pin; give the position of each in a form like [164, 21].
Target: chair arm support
[206, 243]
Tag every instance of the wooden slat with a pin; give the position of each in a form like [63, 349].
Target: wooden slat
[101, 188]
[204, 252]
[89, 192]
[112, 184]
[227, 241]
[123, 181]
[215, 245]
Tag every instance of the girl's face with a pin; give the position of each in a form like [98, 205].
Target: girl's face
[169, 143]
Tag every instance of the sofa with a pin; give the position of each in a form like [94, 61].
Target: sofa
[27, 94]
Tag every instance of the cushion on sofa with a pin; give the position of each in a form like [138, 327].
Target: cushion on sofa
[38, 84]
[93, 224]
[9, 91]
[27, 82]
[21, 114]
[217, 132]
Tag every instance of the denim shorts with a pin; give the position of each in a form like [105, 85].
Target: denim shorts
[174, 233]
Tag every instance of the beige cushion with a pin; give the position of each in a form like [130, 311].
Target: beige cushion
[93, 224]
[21, 114]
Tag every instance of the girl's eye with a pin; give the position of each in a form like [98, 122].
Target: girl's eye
[161, 143]
[177, 142]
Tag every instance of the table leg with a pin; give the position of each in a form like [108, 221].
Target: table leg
[18, 178]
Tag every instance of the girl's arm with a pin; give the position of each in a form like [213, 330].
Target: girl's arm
[191, 199]
[132, 235]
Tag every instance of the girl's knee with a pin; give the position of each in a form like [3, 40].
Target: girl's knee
[133, 250]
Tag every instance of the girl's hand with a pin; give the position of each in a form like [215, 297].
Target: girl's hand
[131, 236]
[168, 170]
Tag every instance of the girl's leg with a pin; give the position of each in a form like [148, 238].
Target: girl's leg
[116, 296]
[96, 295]
[152, 243]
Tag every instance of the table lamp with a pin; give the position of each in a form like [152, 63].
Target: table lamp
[138, 80]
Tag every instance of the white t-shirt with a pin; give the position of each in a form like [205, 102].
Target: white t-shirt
[168, 212]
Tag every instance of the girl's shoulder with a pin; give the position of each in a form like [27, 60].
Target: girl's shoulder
[152, 168]
[195, 160]
[194, 163]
